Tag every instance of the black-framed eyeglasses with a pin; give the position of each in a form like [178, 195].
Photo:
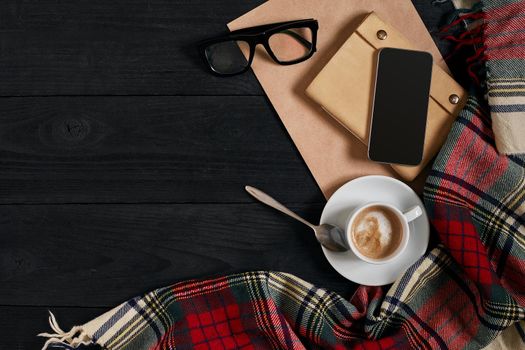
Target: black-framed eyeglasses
[286, 42]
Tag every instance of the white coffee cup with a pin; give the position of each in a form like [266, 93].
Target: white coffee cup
[404, 219]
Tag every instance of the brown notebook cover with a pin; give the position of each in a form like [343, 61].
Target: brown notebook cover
[345, 88]
[331, 153]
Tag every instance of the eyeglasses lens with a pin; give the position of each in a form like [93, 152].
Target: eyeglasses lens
[291, 44]
[228, 57]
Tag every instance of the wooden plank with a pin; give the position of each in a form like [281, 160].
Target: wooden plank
[122, 47]
[434, 15]
[114, 47]
[146, 149]
[20, 325]
[100, 255]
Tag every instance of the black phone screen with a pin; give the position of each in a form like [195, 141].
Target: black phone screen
[399, 113]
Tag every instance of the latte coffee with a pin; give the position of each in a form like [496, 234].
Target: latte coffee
[376, 232]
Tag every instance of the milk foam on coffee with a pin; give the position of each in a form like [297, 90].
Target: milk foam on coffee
[376, 232]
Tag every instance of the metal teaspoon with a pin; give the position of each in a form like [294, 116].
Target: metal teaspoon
[331, 237]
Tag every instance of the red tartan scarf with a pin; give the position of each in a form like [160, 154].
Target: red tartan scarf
[460, 295]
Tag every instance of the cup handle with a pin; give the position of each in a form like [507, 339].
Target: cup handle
[413, 213]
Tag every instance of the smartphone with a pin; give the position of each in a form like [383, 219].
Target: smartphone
[400, 106]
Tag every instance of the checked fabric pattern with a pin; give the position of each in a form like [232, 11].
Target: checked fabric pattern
[481, 226]
[504, 52]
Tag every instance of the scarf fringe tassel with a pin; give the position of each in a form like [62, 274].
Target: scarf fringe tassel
[472, 35]
[67, 340]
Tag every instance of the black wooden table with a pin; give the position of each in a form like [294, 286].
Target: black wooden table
[123, 161]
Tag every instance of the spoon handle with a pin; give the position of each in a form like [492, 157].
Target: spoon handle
[266, 199]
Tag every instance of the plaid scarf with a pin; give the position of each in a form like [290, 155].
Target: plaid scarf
[496, 28]
[504, 52]
[461, 294]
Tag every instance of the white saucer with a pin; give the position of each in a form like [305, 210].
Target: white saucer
[372, 189]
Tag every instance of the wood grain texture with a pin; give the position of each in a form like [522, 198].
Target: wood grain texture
[118, 47]
[146, 149]
[122, 47]
[101, 255]
[435, 16]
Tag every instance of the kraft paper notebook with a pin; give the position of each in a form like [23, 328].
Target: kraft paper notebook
[345, 89]
[333, 155]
